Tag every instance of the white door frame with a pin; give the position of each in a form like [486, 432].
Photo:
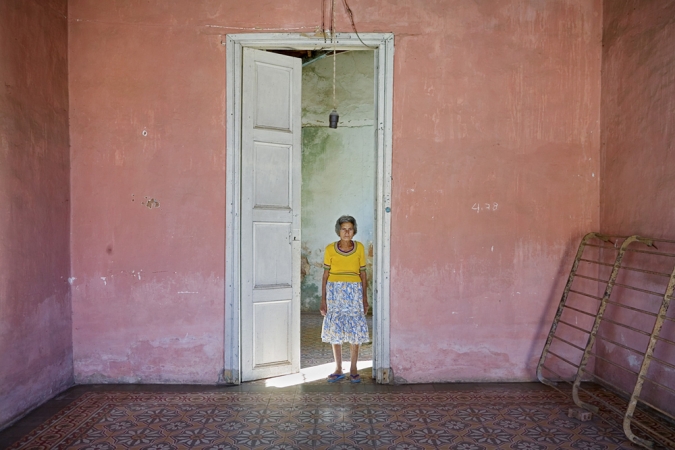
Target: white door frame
[383, 44]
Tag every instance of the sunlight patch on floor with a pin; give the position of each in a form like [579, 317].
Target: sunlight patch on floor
[314, 373]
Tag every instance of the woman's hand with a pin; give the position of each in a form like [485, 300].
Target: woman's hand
[324, 280]
[364, 289]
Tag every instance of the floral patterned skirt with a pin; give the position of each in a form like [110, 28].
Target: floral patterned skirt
[344, 321]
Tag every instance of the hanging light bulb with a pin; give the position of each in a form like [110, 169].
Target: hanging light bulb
[333, 118]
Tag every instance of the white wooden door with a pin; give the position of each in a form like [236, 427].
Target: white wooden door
[270, 214]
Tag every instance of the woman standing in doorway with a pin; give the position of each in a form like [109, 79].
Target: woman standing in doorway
[344, 297]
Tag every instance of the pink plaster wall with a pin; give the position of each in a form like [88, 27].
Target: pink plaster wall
[638, 109]
[147, 93]
[495, 102]
[35, 310]
[638, 147]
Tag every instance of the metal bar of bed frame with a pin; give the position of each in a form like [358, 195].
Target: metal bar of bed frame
[629, 418]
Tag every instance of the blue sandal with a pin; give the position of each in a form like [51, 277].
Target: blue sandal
[333, 377]
[355, 378]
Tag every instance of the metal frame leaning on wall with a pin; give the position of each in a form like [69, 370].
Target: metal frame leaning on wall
[651, 421]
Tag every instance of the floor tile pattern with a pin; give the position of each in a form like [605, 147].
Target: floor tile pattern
[317, 415]
[314, 352]
[456, 418]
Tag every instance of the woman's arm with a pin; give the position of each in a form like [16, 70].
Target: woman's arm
[324, 305]
[364, 285]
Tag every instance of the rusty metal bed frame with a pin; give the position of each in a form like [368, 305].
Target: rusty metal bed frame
[634, 322]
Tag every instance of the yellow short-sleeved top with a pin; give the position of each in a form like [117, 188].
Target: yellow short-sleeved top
[344, 266]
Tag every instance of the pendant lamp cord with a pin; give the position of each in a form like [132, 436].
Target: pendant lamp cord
[332, 35]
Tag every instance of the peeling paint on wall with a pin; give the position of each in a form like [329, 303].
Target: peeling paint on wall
[151, 203]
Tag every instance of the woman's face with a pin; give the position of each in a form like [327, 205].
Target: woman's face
[346, 231]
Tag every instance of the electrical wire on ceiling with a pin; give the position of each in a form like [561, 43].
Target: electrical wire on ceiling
[332, 22]
[323, 19]
[351, 19]
[334, 116]
[350, 15]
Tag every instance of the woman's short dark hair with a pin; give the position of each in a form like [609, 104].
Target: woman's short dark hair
[344, 219]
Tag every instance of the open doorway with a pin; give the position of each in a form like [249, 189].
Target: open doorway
[338, 177]
[326, 148]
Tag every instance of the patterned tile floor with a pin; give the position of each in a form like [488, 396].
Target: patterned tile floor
[459, 417]
[312, 415]
[315, 352]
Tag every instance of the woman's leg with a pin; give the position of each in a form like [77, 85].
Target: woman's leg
[355, 357]
[337, 353]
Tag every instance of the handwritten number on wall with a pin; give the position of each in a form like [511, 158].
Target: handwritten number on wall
[485, 207]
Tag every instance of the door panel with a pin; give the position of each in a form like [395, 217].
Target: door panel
[274, 84]
[272, 175]
[272, 319]
[271, 256]
[270, 215]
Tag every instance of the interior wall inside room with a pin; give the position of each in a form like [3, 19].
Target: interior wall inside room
[494, 178]
[496, 143]
[638, 108]
[638, 148]
[338, 165]
[148, 114]
[35, 309]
